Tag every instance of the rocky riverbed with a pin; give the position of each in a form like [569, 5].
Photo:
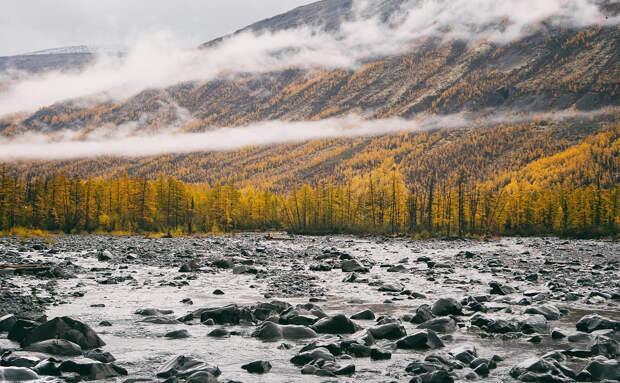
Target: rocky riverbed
[256, 308]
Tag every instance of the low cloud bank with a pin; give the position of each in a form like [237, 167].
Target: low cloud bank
[158, 61]
[124, 142]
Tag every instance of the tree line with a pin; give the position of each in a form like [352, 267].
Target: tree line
[380, 203]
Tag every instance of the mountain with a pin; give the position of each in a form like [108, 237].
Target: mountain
[62, 58]
[549, 70]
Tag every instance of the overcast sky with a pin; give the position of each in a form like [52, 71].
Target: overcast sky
[30, 25]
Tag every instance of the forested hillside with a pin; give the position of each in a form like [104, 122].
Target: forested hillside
[538, 154]
[573, 192]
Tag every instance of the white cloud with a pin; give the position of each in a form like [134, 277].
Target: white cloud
[158, 61]
[125, 142]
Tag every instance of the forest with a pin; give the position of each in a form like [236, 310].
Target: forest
[571, 193]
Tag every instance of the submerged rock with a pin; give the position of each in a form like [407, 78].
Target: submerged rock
[257, 367]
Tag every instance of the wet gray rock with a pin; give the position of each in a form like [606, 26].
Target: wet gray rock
[422, 314]
[540, 370]
[257, 367]
[440, 376]
[379, 354]
[7, 322]
[501, 289]
[189, 267]
[312, 356]
[201, 377]
[65, 328]
[337, 324]
[230, 314]
[153, 312]
[183, 366]
[92, 370]
[355, 348]
[441, 324]
[422, 340]
[600, 370]
[595, 322]
[60, 347]
[548, 311]
[494, 326]
[19, 360]
[446, 306]
[602, 345]
[219, 333]
[269, 331]
[534, 324]
[21, 329]
[100, 356]
[364, 315]
[391, 331]
[178, 334]
[17, 374]
[47, 367]
[352, 265]
[159, 319]
[465, 354]
[223, 263]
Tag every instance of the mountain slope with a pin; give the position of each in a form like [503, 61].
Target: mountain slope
[549, 71]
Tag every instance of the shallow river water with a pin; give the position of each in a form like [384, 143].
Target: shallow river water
[144, 273]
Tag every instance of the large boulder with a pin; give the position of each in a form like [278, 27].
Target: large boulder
[17, 374]
[183, 366]
[595, 322]
[601, 370]
[446, 306]
[337, 324]
[388, 331]
[60, 347]
[602, 345]
[230, 314]
[7, 322]
[269, 331]
[422, 340]
[534, 324]
[20, 329]
[65, 328]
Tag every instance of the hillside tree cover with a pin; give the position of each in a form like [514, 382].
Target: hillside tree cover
[574, 192]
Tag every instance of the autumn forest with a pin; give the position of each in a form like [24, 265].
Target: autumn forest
[566, 191]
